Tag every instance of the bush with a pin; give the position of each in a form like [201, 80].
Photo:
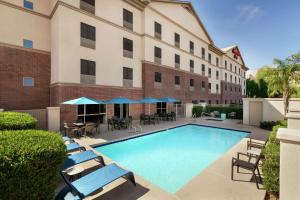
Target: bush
[268, 125]
[197, 111]
[271, 164]
[30, 161]
[16, 121]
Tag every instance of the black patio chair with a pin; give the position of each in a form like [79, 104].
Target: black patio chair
[247, 165]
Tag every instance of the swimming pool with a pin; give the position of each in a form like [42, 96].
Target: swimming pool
[171, 158]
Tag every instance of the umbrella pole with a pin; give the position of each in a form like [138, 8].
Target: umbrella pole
[84, 113]
[176, 109]
[149, 109]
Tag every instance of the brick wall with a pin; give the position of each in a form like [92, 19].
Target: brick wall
[16, 64]
[231, 96]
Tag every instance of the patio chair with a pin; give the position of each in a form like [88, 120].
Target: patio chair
[258, 143]
[94, 181]
[151, 119]
[110, 124]
[156, 118]
[142, 119]
[90, 128]
[216, 114]
[232, 115]
[74, 147]
[82, 157]
[247, 165]
[69, 129]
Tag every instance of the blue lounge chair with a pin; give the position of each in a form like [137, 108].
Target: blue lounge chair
[67, 139]
[74, 147]
[82, 157]
[96, 180]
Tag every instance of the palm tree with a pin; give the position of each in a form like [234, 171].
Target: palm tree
[283, 77]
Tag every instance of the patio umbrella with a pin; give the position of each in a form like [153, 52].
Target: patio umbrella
[170, 100]
[83, 101]
[150, 100]
[121, 100]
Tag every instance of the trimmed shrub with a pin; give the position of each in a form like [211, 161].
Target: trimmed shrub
[16, 121]
[271, 164]
[30, 162]
[268, 125]
[197, 111]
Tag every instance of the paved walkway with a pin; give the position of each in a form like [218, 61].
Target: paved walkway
[214, 183]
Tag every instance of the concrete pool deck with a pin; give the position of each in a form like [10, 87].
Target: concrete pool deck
[213, 183]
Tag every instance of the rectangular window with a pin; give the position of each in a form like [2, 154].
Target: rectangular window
[235, 79]
[203, 53]
[88, 36]
[28, 4]
[230, 78]
[209, 72]
[161, 107]
[88, 5]
[217, 75]
[203, 70]
[225, 76]
[192, 82]
[127, 19]
[87, 72]
[127, 48]
[177, 40]
[157, 55]
[203, 85]
[177, 80]
[127, 73]
[239, 71]
[191, 47]
[157, 30]
[217, 88]
[217, 62]
[191, 66]
[28, 82]
[27, 44]
[157, 77]
[177, 61]
[225, 64]
[225, 87]
[234, 69]
[230, 67]
[209, 87]
[209, 58]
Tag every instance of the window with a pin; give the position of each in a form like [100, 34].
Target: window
[230, 88]
[230, 67]
[235, 89]
[217, 88]
[235, 79]
[157, 77]
[88, 5]
[177, 80]
[127, 48]
[225, 87]
[157, 30]
[209, 72]
[127, 19]
[88, 36]
[217, 101]
[28, 82]
[191, 47]
[209, 87]
[209, 101]
[203, 70]
[217, 75]
[239, 81]
[177, 61]
[157, 55]
[203, 53]
[230, 78]
[191, 82]
[225, 101]
[161, 107]
[225, 64]
[127, 76]
[191, 66]
[209, 58]
[27, 44]
[87, 72]
[28, 4]
[239, 71]
[225, 76]
[217, 62]
[127, 73]
[177, 40]
[203, 85]
[234, 69]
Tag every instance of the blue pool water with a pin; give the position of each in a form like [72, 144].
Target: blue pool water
[171, 158]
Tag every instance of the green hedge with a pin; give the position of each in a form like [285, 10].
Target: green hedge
[208, 109]
[30, 161]
[16, 121]
[271, 164]
[268, 125]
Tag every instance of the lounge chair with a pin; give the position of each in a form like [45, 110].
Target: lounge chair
[95, 181]
[239, 163]
[258, 143]
[67, 139]
[82, 157]
[74, 147]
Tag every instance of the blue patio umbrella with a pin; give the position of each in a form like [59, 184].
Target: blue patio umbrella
[150, 100]
[121, 100]
[170, 100]
[83, 101]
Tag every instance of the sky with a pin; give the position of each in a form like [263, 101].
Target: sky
[263, 29]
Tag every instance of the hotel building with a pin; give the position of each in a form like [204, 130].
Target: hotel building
[56, 50]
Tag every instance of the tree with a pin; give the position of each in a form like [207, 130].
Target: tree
[251, 88]
[282, 78]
